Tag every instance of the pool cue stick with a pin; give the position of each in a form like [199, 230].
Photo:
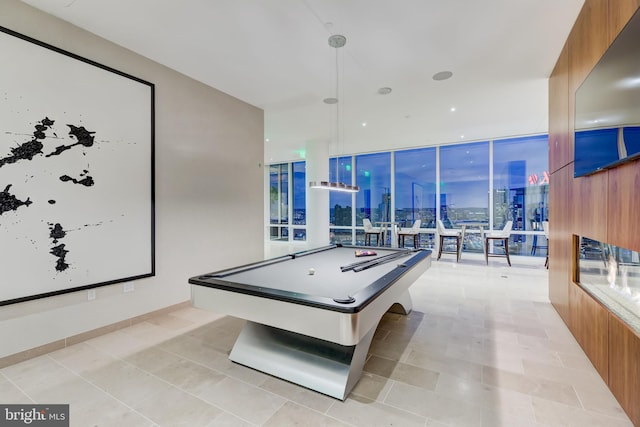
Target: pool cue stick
[366, 261]
[380, 260]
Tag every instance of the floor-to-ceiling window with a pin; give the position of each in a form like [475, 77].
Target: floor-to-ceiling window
[415, 189]
[373, 201]
[287, 199]
[279, 201]
[299, 197]
[464, 189]
[341, 204]
[479, 183]
[520, 190]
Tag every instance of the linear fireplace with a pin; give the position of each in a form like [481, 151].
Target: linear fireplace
[611, 274]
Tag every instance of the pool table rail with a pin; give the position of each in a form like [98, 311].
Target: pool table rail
[339, 302]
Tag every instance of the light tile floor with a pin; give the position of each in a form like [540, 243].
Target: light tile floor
[482, 347]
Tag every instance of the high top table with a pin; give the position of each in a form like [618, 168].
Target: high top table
[481, 225]
[385, 226]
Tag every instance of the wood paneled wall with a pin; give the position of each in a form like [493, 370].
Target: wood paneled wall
[603, 206]
[590, 326]
[624, 205]
[559, 243]
[559, 155]
[624, 371]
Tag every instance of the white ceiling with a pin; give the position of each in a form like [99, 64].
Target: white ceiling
[274, 54]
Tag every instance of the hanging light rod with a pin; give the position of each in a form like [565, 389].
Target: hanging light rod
[336, 41]
[334, 186]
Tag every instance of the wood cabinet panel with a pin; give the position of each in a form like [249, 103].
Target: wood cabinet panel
[590, 326]
[588, 40]
[559, 154]
[560, 241]
[571, 136]
[624, 367]
[620, 11]
[590, 201]
[624, 206]
[559, 277]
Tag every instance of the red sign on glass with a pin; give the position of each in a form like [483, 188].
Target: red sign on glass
[534, 179]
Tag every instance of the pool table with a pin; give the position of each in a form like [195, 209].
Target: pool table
[311, 315]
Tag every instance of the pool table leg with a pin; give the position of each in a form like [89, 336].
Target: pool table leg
[358, 360]
[403, 305]
[326, 367]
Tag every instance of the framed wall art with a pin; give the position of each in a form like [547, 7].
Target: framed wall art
[76, 172]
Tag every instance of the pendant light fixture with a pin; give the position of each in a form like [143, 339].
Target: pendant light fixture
[336, 41]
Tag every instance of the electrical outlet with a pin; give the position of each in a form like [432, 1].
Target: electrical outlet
[128, 287]
[91, 294]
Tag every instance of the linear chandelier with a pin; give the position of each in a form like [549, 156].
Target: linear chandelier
[334, 186]
[336, 41]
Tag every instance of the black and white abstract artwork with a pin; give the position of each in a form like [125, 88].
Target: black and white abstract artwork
[76, 172]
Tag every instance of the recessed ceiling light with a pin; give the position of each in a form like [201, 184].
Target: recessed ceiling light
[364, 124]
[461, 136]
[384, 91]
[453, 109]
[442, 75]
[330, 100]
[266, 140]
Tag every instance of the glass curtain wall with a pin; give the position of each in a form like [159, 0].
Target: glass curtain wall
[286, 192]
[299, 197]
[464, 190]
[415, 190]
[341, 204]
[373, 201]
[521, 190]
[480, 183]
[279, 201]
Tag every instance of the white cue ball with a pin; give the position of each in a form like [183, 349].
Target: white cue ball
[312, 271]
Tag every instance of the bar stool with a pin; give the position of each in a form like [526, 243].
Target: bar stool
[535, 226]
[502, 235]
[370, 230]
[545, 228]
[413, 231]
[458, 235]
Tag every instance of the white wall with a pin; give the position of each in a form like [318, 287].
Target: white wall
[209, 191]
